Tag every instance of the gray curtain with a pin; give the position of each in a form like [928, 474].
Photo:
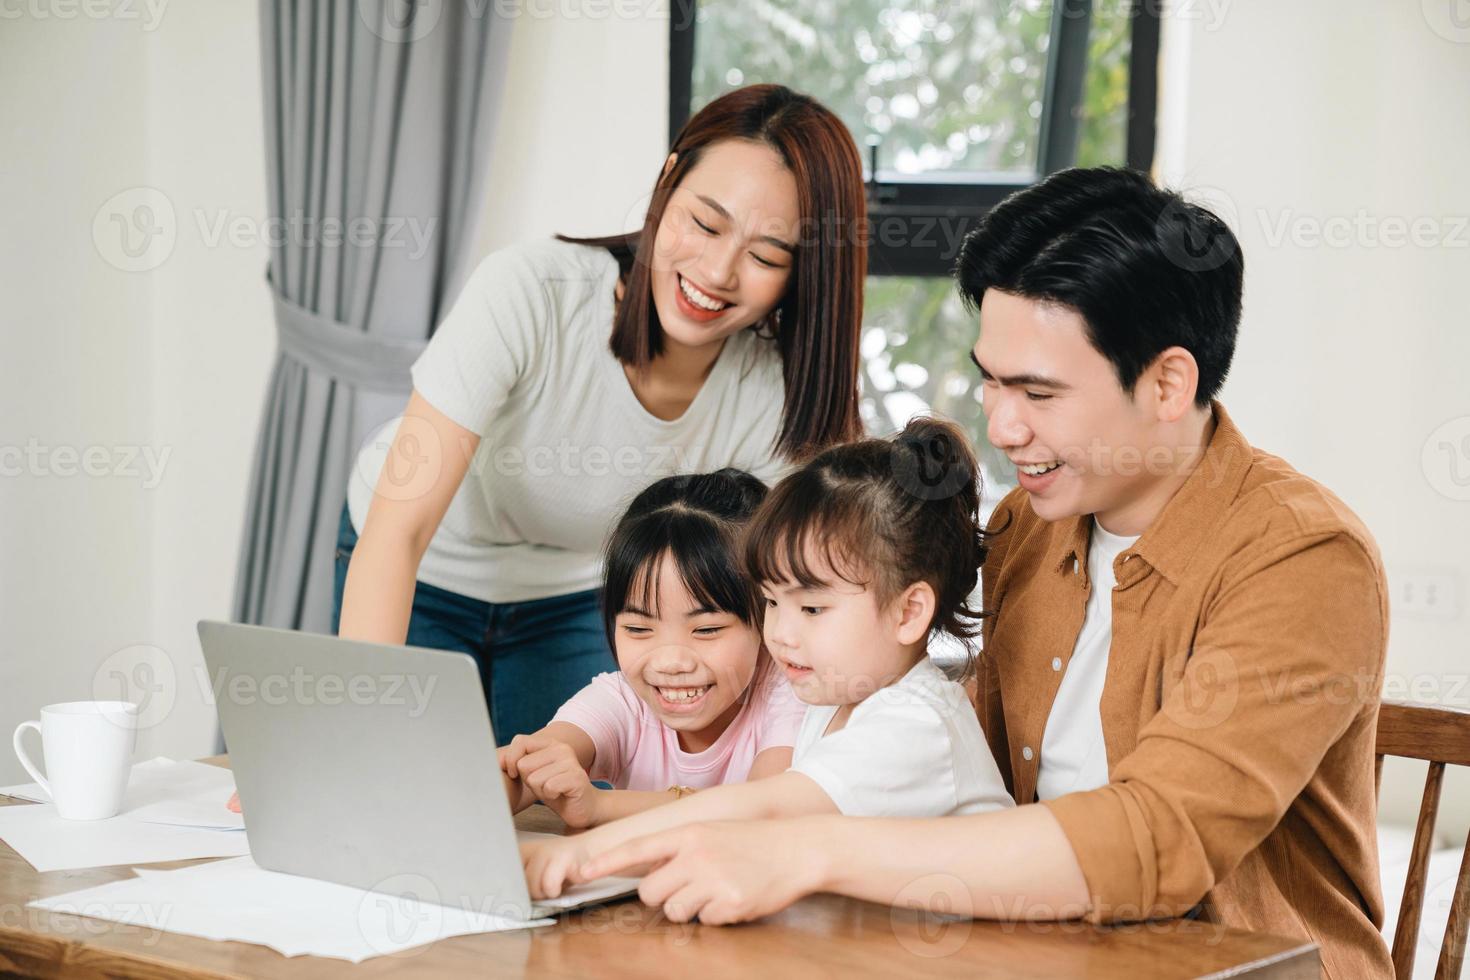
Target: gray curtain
[378, 115]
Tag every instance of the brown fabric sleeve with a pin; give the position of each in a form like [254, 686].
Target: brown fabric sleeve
[1290, 651]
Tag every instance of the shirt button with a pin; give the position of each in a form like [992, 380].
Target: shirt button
[1075, 566]
[1026, 753]
[1056, 663]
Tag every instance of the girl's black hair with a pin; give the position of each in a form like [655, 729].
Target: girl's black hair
[696, 519]
[883, 514]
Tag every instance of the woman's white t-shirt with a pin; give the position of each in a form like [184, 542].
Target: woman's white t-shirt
[523, 361]
[912, 749]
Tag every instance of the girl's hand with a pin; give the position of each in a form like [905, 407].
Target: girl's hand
[551, 864]
[550, 769]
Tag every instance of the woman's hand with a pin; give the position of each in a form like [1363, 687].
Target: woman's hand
[234, 805]
[549, 768]
[551, 864]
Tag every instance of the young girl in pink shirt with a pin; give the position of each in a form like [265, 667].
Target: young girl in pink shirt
[696, 701]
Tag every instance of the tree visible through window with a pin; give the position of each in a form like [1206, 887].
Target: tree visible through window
[947, 92]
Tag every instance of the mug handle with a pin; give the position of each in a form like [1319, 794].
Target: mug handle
[25, 760]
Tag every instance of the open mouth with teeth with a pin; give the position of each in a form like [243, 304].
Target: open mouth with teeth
[796, 671]
[1038, 469]
[682, 698]
[698, 301]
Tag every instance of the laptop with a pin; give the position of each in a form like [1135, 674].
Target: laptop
[373, 766]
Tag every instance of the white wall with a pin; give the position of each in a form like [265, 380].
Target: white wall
[1334, 121]
[164, 353]
[584, 126]
[168, 351]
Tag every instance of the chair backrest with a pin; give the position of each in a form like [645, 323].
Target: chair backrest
[1440, 736]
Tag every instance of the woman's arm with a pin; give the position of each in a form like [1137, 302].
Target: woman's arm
[424, 468]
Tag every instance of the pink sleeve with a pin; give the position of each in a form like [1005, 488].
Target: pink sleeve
[608, 711]
[780, 712]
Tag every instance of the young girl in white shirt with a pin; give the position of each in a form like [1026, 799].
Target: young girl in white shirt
[862, 556]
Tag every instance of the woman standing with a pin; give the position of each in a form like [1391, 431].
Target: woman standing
[571, 374]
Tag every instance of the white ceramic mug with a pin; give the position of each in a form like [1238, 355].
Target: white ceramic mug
[88, 748]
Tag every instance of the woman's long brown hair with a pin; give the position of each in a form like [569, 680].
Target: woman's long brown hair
[817, 324]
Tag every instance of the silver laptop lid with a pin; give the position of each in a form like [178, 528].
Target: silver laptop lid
[369, 765]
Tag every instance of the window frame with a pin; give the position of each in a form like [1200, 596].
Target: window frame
[916, 223]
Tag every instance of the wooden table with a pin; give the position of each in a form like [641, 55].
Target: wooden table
[819, 936]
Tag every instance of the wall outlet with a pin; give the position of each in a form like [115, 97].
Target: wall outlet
[1420, 593]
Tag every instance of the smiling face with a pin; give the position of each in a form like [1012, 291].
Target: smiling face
[725, 246]
[688, 663]
[835, 643]
[1053, 404]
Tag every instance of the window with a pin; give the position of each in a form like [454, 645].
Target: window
[955, 104]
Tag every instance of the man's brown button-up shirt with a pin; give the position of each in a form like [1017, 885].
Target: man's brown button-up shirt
[1239, 711]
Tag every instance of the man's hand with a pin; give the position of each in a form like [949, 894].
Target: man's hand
[730, 871]
[549, 768]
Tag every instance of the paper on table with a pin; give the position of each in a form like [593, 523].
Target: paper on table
[164, 790]
[51, 843]
[203, 811]
[236, 900]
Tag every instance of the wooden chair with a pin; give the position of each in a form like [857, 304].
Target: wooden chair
[1440, 736]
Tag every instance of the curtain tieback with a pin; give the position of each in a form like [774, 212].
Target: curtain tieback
[343, 352]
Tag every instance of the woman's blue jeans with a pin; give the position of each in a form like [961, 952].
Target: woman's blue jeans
[533, 656]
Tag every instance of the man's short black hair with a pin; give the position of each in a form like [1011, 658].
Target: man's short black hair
[1146, 269]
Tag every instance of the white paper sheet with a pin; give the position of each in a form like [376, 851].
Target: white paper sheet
[236, 900]
[164, 790]
[50, 843]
